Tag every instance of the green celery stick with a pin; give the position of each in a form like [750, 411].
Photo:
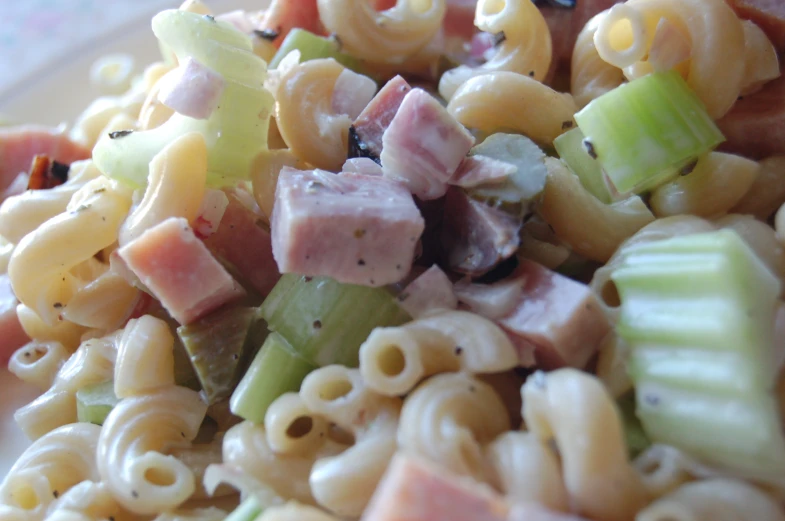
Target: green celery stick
[248, 510]
[571, 150]
[313, 47]
[643, 132]
[326, 321]
[220, 346]
[636, 438]
[698, 313]
[95, 402]
[275, 370]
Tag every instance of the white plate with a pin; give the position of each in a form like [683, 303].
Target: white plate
[58, 92]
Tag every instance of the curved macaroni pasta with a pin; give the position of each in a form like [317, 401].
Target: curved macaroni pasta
[87, 500]
[37, 363]
[292, 428]
[293, 511]
[760, 59]
[767, 192]
[144, 357]
[103, 304]
[65, 332]
[394, 359]
[590, 75]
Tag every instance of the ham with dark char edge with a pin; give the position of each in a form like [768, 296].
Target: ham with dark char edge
[365, 135]
[284, 15]
[355, 228]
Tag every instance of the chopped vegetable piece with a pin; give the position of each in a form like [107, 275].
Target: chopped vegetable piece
[313, 47]
[220, 346]
[326, 321]
[248, 510]
[643, 132]
[95, 402]
[636, 438]
[365, 135]
[698, 313]
[275, 370]
[572, 151]
[184, 374]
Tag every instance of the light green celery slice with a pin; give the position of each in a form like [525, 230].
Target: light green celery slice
[643, 132]
[698, 313]
[326, 321]
[95, 402]
[275, 370]
[248, 510]
[634, 435]
[313, 47]
[236, 131]
[570, 148]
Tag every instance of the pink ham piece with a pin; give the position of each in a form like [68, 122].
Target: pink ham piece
[492, 301]
[244, 245]
[284, 15]
[413, 489]
[362, 165]
[19, 145]
[12, 336]
[368, 129]
[478, 170]
[557, 317]
[431, 290]
[475, 236]
[424, 145]
[755, 126]
[459, 18]
[481, 43]
[352, 92]
[210, 213]
[179, 270]
[769, 15]
[355, 228]
[192, 89]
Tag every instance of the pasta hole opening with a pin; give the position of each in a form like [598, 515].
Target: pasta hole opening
[25, 497]
[421, 6]
[621, 35]
[493, 7]
[160, 477]
[392, 361]
[335, 390]
[300, 427]
[610, 294]
[31, 355]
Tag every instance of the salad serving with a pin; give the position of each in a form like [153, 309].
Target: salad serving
[412, 260]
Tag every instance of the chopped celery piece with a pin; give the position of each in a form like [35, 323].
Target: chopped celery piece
[635, 436]
[326, 321]
[220, 346]
[571, 150]
[236, 131]
[95, 402]
[248, 510]
[698, 313]
[275, 370]
[313, 47]
[521, 188]
[643, 132]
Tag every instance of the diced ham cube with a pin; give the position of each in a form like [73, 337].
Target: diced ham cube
[354, 228]
[284, 15]
[12, 336]
[192, 89]
[210, 212]
[755, 126]
[243, 243]
[769, 15]
[362, 165]
[475, 236]
[424, 145]
[430, 291]
[19, 145]
[459, 18]
[413, 489]
[492, 301]
[557, 316]
[179, 270]
[352, 93]
[477, 170]
[367, 130]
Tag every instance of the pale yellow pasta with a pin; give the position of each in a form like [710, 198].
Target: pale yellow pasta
[145, 361]
[265, 173]
[65, 332]
[663, 469]
[767, 192]
[593, 229]
[6, 250]
[292, 428]
[613, 355]
[304, 115]
[153, 113]
[89, 499]
[760, 59]
[175, 188]
[449, 418]
[130, 459]
[344, 483]
[105, 303]
[574, 409]
[119, 122]
[526, 48]
[717, 54]
[46, 413]
[527, 470]
[39, 268]
[194, 514]
[539, 112]
[714, 500]
[387, 36]
[198, 457]
[23, 213]
[713, 187]
[590, 75]
[293, 511]
[393, 360]
[37, 362]
[89, 269]
[89, 126]
[49, 467]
